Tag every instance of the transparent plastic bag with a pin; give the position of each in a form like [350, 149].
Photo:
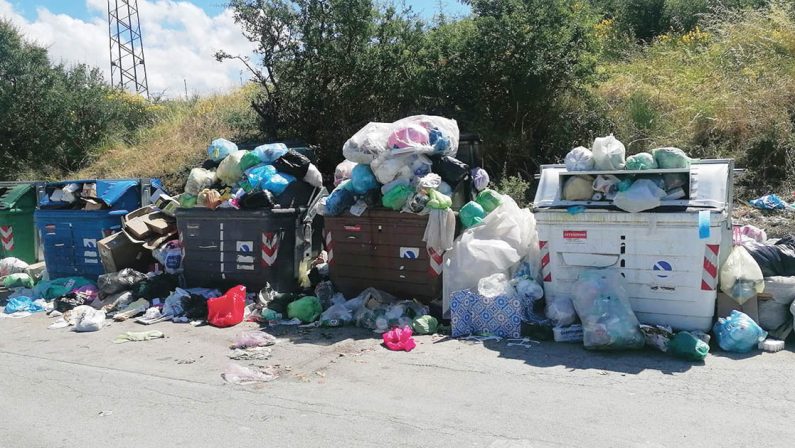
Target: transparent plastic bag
[642, 195]
[198, 180]
[740, 276]
[608, 154]
[671, 158]
[270, 152]
[561, 311]
[229, 171]
[602, 304]
[368, 143]
[343, 171]
[738, 333]
[442, 135]
[579, 159]
[220, 148]
[640, 161]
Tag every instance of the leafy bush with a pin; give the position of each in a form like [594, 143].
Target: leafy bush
[52, 117]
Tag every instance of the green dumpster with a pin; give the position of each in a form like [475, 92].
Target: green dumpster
[17, 232]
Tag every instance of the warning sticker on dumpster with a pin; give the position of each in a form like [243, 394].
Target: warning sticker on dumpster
[411, 253]
[356, 228]
[575, 236]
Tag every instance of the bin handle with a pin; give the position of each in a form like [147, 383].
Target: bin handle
[208, 247]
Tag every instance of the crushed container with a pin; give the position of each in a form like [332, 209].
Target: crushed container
[670, 255]
[17, 232]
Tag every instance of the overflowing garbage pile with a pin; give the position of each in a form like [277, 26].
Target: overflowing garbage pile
[409, 166]
[269, 176]
[634, 192]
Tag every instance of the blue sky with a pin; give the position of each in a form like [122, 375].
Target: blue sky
[79, 10]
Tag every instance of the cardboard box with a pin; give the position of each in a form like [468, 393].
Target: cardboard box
[726, 305]
[118, 251]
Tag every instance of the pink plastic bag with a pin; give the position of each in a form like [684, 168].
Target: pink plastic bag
[227, 310]
[399, 339]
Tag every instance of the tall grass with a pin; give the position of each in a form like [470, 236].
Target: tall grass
[178, 140]
[725, 90]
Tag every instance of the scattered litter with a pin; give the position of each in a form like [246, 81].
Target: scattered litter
[250, 354]
[771, 345]
[132, 336]
[253, 339]
[522, 342]
[398, 339]
[237, 374]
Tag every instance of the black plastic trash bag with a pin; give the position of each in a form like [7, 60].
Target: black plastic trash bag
[257, 200]
[775, 260]
[292, 163]
[115, 282]
[452, 170]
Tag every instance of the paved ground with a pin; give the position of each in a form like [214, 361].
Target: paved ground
[339, 387]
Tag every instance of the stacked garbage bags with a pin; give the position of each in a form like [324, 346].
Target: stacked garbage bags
[633, 192]
[269, 176]
[408, 166]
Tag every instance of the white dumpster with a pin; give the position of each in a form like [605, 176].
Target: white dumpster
[670, 256]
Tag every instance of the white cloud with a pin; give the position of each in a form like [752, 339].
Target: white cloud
[179, 39]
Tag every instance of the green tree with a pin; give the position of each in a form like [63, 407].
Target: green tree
[52, 116]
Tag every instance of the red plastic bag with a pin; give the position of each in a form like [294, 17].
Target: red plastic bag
[399, 339]
[227, 310]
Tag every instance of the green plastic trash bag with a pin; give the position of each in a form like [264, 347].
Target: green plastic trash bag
[424, 325]
[686, 346]
[641, 161]
[18, 280]
[187, 200]
[306, 309]
[397, 197]
[671, 158]
[489, 200]
[438, 200]
[249, 160]
[471, 213]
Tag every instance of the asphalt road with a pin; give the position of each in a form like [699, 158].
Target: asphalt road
[339, 387]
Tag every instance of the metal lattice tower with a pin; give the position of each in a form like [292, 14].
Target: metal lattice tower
[127, 67]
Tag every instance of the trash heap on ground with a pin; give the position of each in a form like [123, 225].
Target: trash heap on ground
[501, 269]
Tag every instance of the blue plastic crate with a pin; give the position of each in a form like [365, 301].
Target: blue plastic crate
[69, 237]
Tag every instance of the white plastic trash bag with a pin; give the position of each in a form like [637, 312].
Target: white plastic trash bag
[642, 195]
[579, 159]
[11, 265]
[424, 134]
[87, 318]
[505, 237]
[740, 276]
[388, 169]
[368, 143]
[608, 153]
[561, 311]
[198, 180]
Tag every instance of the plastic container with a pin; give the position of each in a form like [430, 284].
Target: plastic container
[17, 231]
[383, 249]
[227, 247]
[69, 237]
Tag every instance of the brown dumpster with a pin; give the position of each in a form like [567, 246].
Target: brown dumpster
[382, 249]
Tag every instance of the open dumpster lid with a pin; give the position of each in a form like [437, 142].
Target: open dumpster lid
[9, 196]
[109, 191]
[710, 186]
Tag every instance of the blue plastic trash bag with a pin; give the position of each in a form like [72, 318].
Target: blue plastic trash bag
[738, 333]
[770, 202]
[22, 303]
[277, 183]
[270, 152]
[363, 179]
[220, 148]
[441, 144]
[338, 201]
[259, 174]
